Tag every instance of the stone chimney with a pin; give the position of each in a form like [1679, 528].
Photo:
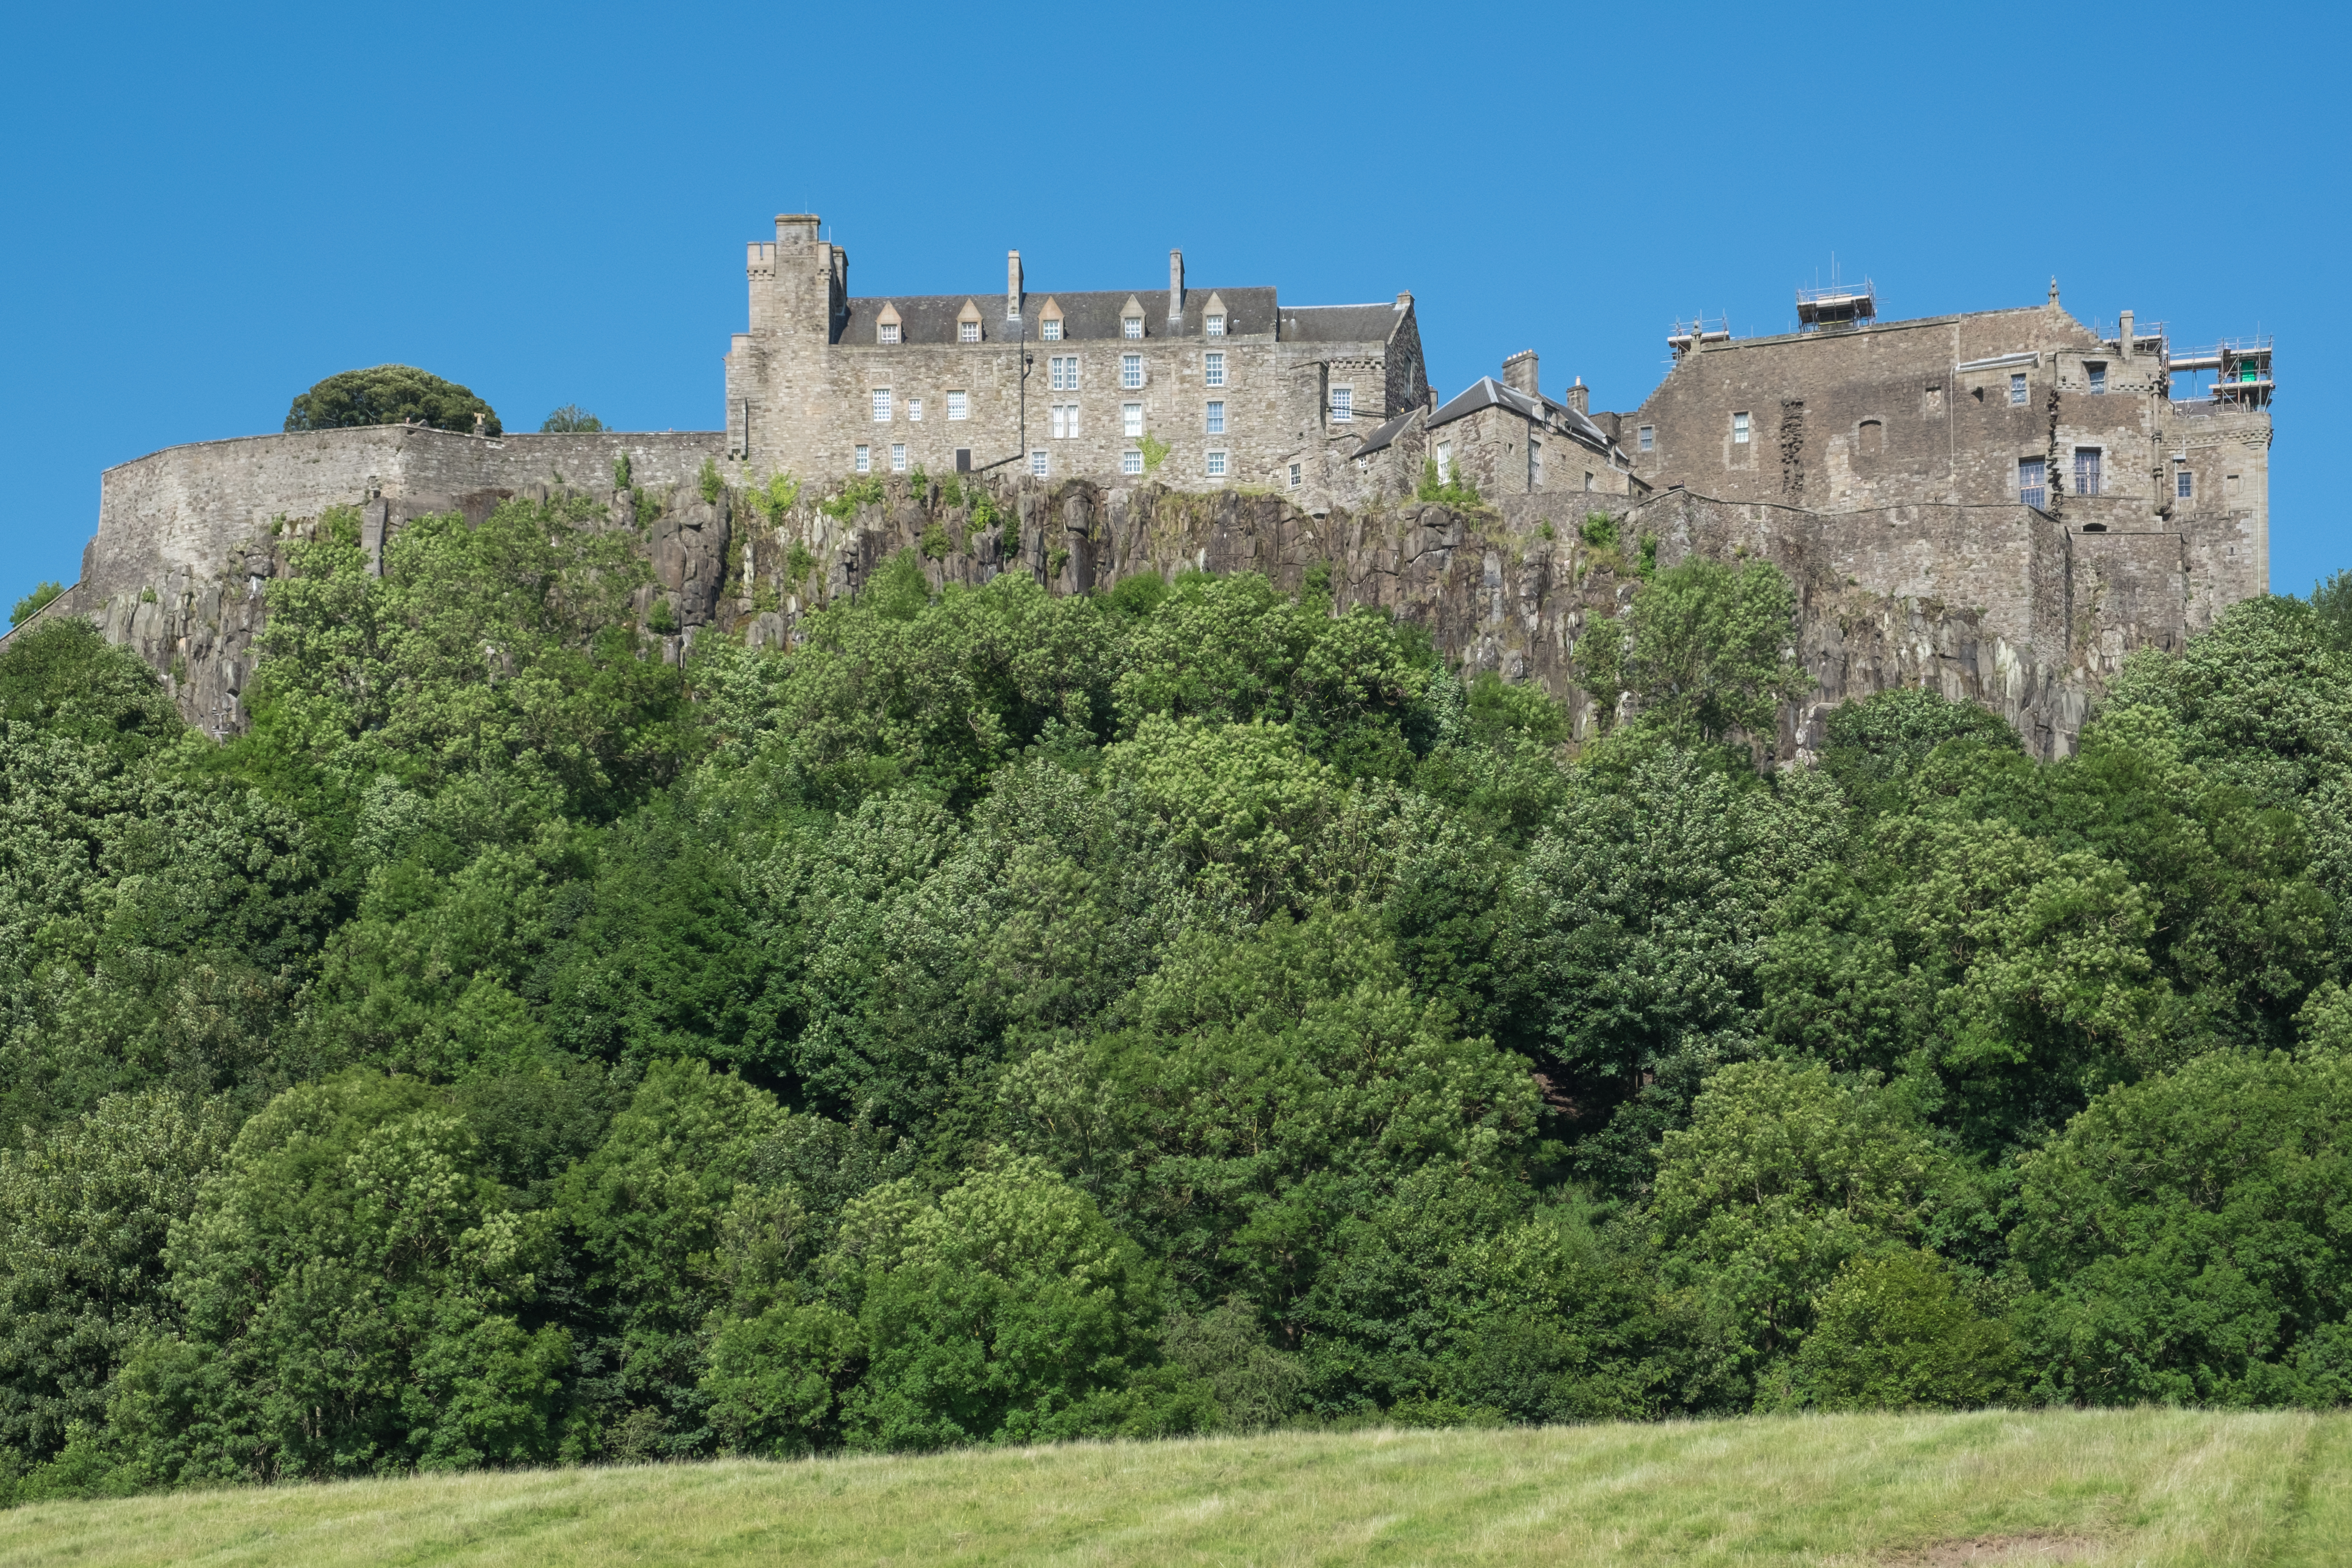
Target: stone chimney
[2127, 335]
[1579, 397]
[1175, 286]
[1519, 373]
[1012, 286]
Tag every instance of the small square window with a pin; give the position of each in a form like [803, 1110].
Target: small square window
[1130, 461]
[915, 409]
[1294, 467]
[1216, 465]
[865, 460]
[1130, 371]
[959, 406]
[2017, 390]
[1647, 437]
[2184, 484]
[1062, 372]
[1130, 326]
[881, 405]
[1216, 326]
[1217, 417]
[1131, 420]
[1739, 430]
[967, 331]
[1038, 466]
[1343, 405]
[889, 332]
[897, 457]
[2099, 377]
[1212, 368]
[1049, 331]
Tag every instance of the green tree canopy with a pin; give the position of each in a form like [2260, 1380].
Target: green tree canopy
[391, 395]
[571, 420]
[1704, 650]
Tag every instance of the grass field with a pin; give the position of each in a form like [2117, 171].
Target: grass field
[2137, 1488]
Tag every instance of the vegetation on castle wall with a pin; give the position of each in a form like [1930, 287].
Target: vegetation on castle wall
[33, 603]
[1005, 1016]
[391, 395]
[574, 419]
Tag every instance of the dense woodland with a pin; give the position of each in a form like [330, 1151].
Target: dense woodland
[1007, 1017]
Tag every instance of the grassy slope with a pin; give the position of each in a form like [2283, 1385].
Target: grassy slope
[2131, 1487]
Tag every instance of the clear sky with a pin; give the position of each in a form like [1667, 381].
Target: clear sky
[211, 207]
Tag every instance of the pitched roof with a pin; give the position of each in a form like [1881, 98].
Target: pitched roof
[1340, 323]
[1488, 392]
[931, 317]
[1385, 436]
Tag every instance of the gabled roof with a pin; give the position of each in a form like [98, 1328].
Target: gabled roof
[1338, 323]
[1385, 436]
[1488, 392]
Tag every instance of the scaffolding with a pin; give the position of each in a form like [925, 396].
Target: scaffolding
[1837, 306]
[1696, 332]
[2240, 367]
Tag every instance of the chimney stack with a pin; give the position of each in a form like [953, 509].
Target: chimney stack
[1579, 397]
[1012, 286]
[1175, 286]
[2126, 334]
[1519, 373]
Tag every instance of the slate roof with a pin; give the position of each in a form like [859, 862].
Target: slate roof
[1488, 392]
[1385, 436]
[1339, 323]
[1090, 316]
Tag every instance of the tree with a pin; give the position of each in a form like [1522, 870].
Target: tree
[2331, 599]
[2188, 1241]
[391, 395]
[1894, 1331]
[571, 420]
[33, 603]
[1704, 649]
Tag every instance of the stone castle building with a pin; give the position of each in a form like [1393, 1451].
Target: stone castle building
[1194, 387]
[2005, 503]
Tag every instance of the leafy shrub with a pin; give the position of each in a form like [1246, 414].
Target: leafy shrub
[1895, 1331]
[390, 394]
[574, 419]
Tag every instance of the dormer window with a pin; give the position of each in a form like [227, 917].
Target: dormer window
[885, 325]
[889, 332]
[967, 331]
[1216, 325]
[1130, 326]
[1051, 331]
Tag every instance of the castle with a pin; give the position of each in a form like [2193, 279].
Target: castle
[2004, 503]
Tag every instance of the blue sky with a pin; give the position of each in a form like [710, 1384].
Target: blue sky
[210, 208]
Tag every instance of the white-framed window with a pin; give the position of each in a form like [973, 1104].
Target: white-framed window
[897, 457]
[1130, 326]
[1216, 326]
[1445, 460]
[2184, 484]
[2032, 481]
[1647, 438]
[1212, 368]
[959, 406]
[2088, 463]
[865, 460]
[1739, 430]
[1216, 465]
[1294, 477]
[1037, 464]
[881, 405]
[1217, 417]
[2017, 390]
[1343, 405]
[1535, 467]
[1049, 331]
[1130, 461]
[2099, 377]
[1131, 420]
[967, 331]
[1065, 422]
[1130, 371]
[1062, 372]
[915, 409]
[889, 332]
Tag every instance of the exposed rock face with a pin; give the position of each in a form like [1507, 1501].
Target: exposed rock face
[1996, 605]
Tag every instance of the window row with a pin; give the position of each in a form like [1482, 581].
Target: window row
[1130, 463]
[959, 406]
[1061, 371]
[889, 330]
[1062, 419]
